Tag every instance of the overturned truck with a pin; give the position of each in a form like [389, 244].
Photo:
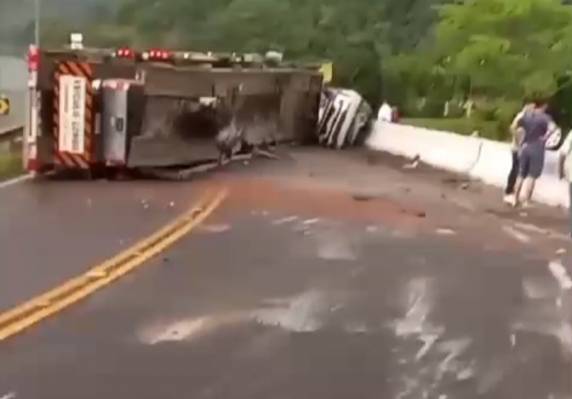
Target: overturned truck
[92, 109]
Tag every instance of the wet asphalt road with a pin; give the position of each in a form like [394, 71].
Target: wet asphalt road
[51, 231]
[321, 276]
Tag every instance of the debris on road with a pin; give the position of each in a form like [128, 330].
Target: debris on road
[414, 212]
[285, 220]
[413, 164]
[561, 275]
[446, 232]
[459, 182]
[517, 235]
[265, 153]
[364, 197]
[372, 229]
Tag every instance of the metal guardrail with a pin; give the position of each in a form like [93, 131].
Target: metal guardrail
[11, 138]
[7, 132]
[15, 119]
[13, 78]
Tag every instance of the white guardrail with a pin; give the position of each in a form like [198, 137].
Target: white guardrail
[7, 130]
[482, 159]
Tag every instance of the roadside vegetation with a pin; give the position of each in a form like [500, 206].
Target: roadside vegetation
[464, 126]
[10, 165]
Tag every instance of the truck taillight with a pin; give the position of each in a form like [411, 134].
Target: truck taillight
[125, 53]
[33, 58]
[158, 55]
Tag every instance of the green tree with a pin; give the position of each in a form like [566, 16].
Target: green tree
[506, 48]
[358, 36]
[351, 34]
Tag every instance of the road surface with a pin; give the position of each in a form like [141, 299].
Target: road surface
[322, 275]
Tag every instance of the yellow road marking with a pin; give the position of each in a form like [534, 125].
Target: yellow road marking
[33, 311]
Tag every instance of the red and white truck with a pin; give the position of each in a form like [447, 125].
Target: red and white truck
[92, 109]
[98, 108]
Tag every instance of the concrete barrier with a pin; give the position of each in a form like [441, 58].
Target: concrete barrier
[482, 159]
[550, 189]
[494, 163]
[440, 149]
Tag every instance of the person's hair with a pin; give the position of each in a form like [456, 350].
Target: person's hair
[540, 102]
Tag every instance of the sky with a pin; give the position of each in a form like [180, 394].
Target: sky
[17, 15]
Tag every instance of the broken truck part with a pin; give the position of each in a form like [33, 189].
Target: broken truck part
[344, 118]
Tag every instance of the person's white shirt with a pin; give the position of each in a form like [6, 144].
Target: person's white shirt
[385, 113]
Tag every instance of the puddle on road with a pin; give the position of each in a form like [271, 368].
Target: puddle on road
[516, 234]
[548, 308]
[307, 312]
[285, 220]
[335, 245]
[173, 332]
[425, 357]
[303, 313]
[165, 331]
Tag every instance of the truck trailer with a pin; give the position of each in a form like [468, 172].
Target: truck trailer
[124, 109]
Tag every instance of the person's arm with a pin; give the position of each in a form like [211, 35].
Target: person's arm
[516, 130]
[515, 122]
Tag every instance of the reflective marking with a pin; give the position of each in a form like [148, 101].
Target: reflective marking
[15, 181]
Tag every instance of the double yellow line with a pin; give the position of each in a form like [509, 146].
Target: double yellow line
[33, 311]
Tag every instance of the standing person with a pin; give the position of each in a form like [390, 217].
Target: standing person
[516, 134]
[395, 116]
[385, 113]
[565, 169]
[534, 127]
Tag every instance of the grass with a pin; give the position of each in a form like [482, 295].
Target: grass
[464, 126]
[10, 165]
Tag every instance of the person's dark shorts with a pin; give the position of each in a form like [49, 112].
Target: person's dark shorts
[531, 160]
